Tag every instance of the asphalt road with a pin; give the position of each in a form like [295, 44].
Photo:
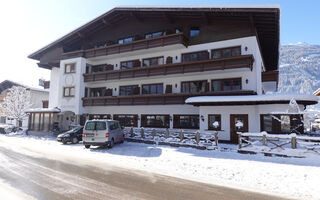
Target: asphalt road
[44, 178]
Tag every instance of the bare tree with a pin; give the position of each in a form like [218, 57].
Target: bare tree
[16, 102]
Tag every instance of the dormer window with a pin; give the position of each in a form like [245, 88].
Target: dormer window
[155, 34]
[195, 31]
[125, 40]
[70, 68]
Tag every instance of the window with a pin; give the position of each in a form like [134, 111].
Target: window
[69, 68]
[68, 92]
[101, 68]
[45, 104]
[155, 34]
[195, 56]
[130, 64]
[194, 32]
[281, 124]
[153, 61]
[129, 90]
[156, 121]
[99, 92]
[226, 52]
[125, 40]
[127, 120]
[233, 84]
[186, 121]
[194, 86]
[99, 116]
[152, 89]
[214, 122]
[95, 126]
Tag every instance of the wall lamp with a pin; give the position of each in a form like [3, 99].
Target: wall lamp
[202, 118]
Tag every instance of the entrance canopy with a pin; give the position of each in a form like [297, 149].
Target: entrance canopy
[251, 100]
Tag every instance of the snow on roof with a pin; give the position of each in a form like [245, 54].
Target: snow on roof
[28, 87]
[252, 98]
[54, 110]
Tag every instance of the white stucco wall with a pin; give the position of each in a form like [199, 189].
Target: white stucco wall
[54, 87]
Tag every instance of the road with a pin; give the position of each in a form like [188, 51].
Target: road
[44, 178]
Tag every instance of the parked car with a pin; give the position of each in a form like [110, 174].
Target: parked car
[102, 133]
[74, 136]
[8, 128]
[315, 126]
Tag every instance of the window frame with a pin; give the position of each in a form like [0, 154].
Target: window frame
[190, 53]
[210, 123]
[127, 61]
[222, 83]
[277, 126]
[149, 59]
[126, 124]
[149, 88]
[68, 88]
[225, 48]
[185, 127]
[72, 66]
[166, 118]
[182, 82]
[125, 86]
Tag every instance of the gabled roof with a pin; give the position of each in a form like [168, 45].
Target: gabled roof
[6, 84]
[265, 18]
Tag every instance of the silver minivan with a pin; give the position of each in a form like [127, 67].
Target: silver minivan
[102, 133]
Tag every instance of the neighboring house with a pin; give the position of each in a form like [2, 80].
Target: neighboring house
[140, 64]
[39, 99]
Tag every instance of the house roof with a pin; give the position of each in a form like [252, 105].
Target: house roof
[252, 99]
[6, 84]
[265, 18]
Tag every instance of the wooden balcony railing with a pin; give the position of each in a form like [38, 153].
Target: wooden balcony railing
[161, 41]
[158, 99]
[244, 61]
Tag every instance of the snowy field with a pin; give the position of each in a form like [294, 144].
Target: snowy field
[287, 177]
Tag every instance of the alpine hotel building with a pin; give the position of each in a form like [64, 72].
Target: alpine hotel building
[171, 67]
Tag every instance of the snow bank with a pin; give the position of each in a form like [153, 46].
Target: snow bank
[288, 177]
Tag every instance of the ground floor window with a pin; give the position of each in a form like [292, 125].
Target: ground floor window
[186, 121]
[156, 121]
[127, 120]
[99, 116]
[214, 122]
[281, 124]
[40, 121]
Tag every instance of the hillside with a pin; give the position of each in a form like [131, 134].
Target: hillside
[299, 68]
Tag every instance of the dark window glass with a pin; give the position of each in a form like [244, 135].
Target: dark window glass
[282, 124]
[267, 123]
[155, 34]
[157, 121]
[186, 121]
[152, 89]
[125, 40]
[129, 64]
[285, 124]
[127, 90]
[127, 120]
[196, 56]
[226, 85]
[193, 87]
[194, 32]
[214, 122]
[90, 126]
[152, 61]
[225, 52]
[97, 92]
[216, 86]
[100, 126]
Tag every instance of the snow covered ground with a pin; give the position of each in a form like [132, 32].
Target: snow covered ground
[288, 177]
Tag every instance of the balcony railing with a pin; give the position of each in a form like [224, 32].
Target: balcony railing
[158, 99]
[161, 41]
[244, 61]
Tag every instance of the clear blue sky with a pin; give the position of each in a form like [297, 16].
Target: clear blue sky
[28, 25]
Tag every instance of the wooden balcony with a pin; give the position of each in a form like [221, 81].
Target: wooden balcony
[244, 61]
[161, 41]
[158, 99]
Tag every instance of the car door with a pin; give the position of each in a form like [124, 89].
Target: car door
[79, 134]
[120, 133]
[101, 130]
[112, 130]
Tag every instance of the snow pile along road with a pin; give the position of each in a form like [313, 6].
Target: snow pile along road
[288, 177]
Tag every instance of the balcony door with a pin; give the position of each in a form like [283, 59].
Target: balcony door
[238, 123]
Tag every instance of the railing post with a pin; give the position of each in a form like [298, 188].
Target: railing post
[293, 141]
[142, 132]
[131, 132]
[239, 141]
[197, 137]
[264, 139]
[167, 133]
[181, 135]
[216, 138]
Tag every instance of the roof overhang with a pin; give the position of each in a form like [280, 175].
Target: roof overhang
[251, 100]
[265, 18]
[43, 110]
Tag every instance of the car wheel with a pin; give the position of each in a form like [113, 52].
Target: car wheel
[64, 142]
[75, 140]
[87, 146]
[112, 143]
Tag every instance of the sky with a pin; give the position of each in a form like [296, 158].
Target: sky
[28, 25]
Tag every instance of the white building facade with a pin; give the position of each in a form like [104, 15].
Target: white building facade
[149, 64]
